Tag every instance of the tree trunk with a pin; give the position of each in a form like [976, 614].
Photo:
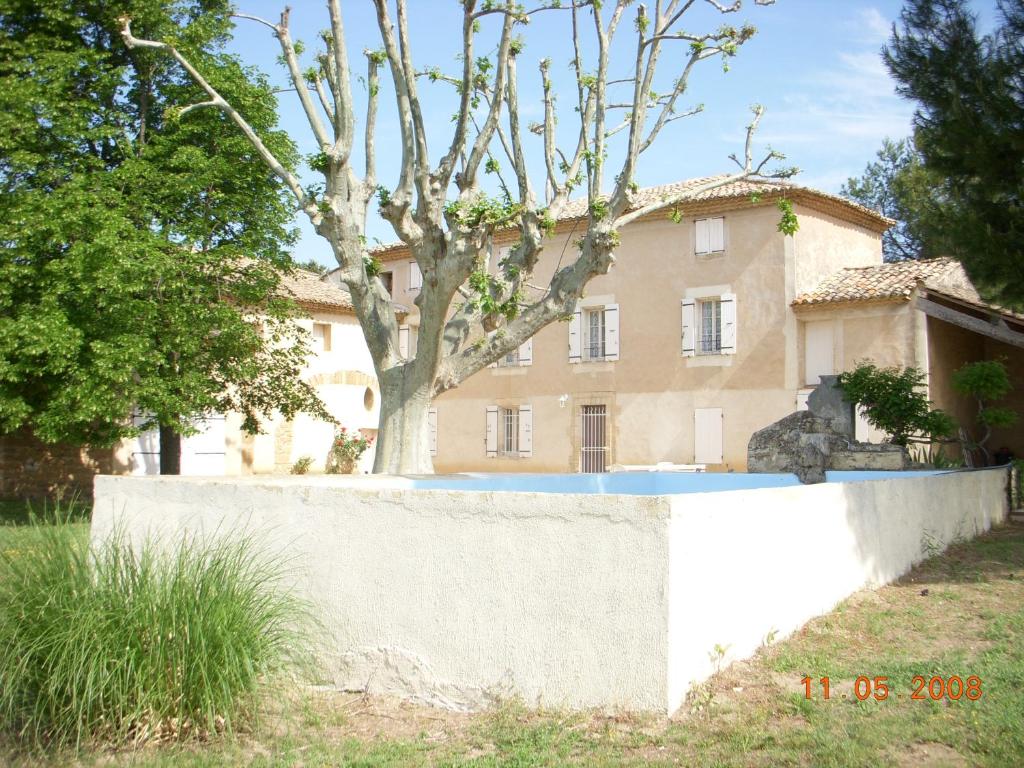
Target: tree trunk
[170, 451]
[403, 433]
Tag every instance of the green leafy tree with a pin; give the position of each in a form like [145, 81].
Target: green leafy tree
[893, 401]
[968, 128]
[141, 250]
[986, 381]
[898, 185]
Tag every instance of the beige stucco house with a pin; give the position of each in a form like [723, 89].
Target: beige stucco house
[340, 369]
[703, 332]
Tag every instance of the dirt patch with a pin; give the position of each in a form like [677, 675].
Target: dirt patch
[929, 755]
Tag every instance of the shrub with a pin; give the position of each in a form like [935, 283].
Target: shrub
[893, 401]
[302, 465]
[115, 646]
[985, 381]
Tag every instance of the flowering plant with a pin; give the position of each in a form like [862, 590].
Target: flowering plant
[347, 448]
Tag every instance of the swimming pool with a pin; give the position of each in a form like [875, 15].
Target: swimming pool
[635, 483]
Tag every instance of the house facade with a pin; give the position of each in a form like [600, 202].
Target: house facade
[339, 368]
[702, 333]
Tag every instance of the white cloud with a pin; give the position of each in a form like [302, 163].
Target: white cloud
[872, 25]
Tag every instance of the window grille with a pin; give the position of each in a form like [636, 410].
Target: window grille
[509, 420]
[594, 447]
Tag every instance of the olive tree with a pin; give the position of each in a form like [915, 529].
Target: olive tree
[470, 317]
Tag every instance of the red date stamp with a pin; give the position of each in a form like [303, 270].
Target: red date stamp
[923, 688]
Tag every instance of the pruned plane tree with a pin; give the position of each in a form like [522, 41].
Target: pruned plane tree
[469, 316]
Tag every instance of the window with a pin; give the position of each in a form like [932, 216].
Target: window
[407, 341]
[517, 358]
[593, 344]
[388, 278]
[509, 431]
[710, 236]
[709, 326]
[322, 337]
[415, 276]
[594, 334]
[508, 418]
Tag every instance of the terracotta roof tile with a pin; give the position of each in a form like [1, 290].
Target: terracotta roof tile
[309, 288]
[889, 281]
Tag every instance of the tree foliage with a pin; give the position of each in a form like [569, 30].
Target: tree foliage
[986, 381]
[140, 241]
[893, 401]
[898, 185]
[968, 128]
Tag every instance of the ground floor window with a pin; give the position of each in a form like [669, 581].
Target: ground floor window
[508, 419]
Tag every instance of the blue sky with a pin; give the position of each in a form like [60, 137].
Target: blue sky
[814, 65]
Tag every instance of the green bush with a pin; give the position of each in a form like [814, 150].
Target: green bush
[893, 401]
[110, 646]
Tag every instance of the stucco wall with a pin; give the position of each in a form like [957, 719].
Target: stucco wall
[455, 597]
[652, 389]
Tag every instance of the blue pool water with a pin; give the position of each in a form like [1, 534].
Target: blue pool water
[636, 483]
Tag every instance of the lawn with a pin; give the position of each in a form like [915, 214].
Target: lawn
[957, 615]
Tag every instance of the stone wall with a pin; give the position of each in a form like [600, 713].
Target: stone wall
[808, 443]
[31, 469]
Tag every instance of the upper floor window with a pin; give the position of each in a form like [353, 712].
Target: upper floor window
[322, 337]
[518, 357]
[388, 278]
[594, 333]
[415, 276]
[709, 325]
[709, 321]
[710, 236]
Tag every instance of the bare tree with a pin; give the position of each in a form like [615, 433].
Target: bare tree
[468, 316]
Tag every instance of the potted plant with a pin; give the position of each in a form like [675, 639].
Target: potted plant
[346, 450]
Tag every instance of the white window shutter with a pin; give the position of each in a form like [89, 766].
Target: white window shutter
[716, 235]
[502, 255]
[611, 332]
[707, 430]
[403, 341]
[526, 352]
[432, 430]
[689, 326]
[415, 276]
[525, 431]
[703, 242]
[728, 323]
[575, 336]
[491, 433]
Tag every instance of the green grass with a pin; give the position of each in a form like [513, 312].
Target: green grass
[755, 713]
[107, 646]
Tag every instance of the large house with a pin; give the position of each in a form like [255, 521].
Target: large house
[706, 330]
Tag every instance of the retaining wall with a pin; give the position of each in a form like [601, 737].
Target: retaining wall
[567, 600]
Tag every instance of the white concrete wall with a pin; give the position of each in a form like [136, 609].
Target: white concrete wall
[574, 600]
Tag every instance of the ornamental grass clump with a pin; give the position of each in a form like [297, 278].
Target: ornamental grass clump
[116, 646]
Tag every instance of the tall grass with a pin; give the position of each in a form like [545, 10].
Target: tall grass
[115, 646]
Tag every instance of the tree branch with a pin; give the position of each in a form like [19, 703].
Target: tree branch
[275, 165]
